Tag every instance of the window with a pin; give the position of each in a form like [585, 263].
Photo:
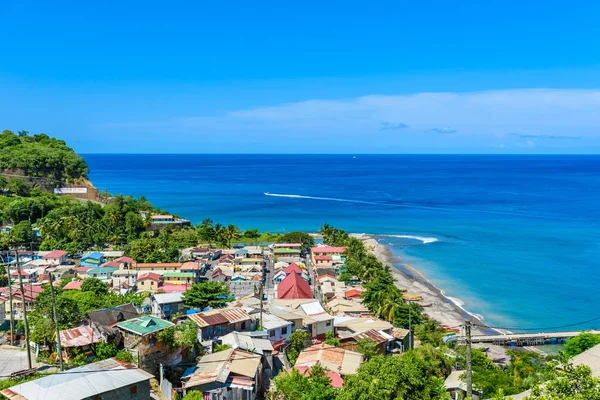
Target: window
[284, 330]
[272, 333]
[133, 389]
[243, 326]
[328, 323]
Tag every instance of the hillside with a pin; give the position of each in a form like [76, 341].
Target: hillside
[39, 156]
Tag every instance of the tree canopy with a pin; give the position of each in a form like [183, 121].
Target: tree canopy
[581, 343]
[207, 294]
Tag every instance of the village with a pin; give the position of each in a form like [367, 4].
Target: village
[274, 290]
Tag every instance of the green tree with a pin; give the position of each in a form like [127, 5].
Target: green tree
[297, 342]
[207, 294]
[221, 347]
[22, 233]
[331, 340]
[316, 385]
[125, 356]
[569, 383]
[104, 350]
[581, 343]
[94, 285]
[397, 377]
[252, 233]
[194, 395]
[366, 347]
[298, 237]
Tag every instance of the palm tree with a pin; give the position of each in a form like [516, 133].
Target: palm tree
[232, 233]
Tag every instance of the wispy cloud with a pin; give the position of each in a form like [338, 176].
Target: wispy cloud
[551, 137]
[443, 130]
[434, 120]
[388, 126]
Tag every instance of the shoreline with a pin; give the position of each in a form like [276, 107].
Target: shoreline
[443, 308]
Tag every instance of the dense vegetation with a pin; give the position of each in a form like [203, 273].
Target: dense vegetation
[40, 156]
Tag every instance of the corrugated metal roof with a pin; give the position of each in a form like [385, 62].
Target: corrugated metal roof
[333, 358]
[371, 335]
[220, 316]
[216, 367]
[168, 298]
[78, 337]
[83, 382]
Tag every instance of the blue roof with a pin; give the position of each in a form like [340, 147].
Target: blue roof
[95, 255]
[189, 371]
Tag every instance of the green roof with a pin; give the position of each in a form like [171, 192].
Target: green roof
[102, 270]
[251, 260]
[144, 325]
[178, 275]
[286, 251]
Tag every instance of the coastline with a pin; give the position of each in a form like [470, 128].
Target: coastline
[443, 309]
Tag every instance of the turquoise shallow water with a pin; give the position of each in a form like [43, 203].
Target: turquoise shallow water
[515, 238]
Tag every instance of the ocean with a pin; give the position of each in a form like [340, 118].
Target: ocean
[515, 239]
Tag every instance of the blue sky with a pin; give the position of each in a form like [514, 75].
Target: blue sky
[308, 77]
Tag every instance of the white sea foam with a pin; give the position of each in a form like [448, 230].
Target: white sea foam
[423, 239]
[460, 304]
[297, 196]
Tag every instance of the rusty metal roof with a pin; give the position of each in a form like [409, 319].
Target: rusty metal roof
[372, 335]
[220, 316]
[78, 337]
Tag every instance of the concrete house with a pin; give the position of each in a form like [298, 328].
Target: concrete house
[56, 257]
[102, 273]
[148, 282]
[106, 379]
[231, 374]
[165, 305]
[215, 323]
[93, 259]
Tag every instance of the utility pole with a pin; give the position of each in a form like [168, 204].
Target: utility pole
[410, 335]
[55, 313]
[468, 360]
[24, 310]
[260, 293]
[10, 300]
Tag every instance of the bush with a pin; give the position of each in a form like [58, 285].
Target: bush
[125, 356]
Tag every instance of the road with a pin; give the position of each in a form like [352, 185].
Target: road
[13, 359]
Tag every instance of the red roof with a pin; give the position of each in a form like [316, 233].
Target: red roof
[149, 275]
[328, 249]
[169, 288]
[323, 258]
[353, 293]
[293, 287]
[293, 268]
[336, 379]
[114, 264]
[125, 260]
[16, 273]
[30, 291]
[83, 269]
[55, 254]
[73, 285]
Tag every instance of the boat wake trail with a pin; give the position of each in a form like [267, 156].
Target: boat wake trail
[297, 196]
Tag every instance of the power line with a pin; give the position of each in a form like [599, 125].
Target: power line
[541, 328]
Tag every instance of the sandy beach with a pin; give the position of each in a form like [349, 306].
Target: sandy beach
[442, 309]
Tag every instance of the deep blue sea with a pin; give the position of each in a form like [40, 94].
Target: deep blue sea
[516, 238]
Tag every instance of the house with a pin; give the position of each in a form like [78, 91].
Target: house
[105, 319]
[106, 379]
[102, 273]
[56, 257]
[297, 246]
[81, 272]
[240, 253]
[123, 263]
[140, 335]
[277, 328]
[327, 252]
[279, 276]
[349, 326]
[31, 292]
[354, 294]
[124, 277]
[254, 251]
[165, 305]
[331, 290]
[73, 285]
[61, 271]
[247, 342]
[159, 268]
[28, 275]
[457, 387]
[336, 359]
[384, 340]
[402, 337]
[319, 322]
[178, 278]
[231, 374]
[196, 268]
[163, 219]
[93, 259]
[215, 323]
[288, 254]
[293, 287]
[249, 261]
[78, 340]
[323, 261]
[341, 306]
[148, 282]
[113, 254]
